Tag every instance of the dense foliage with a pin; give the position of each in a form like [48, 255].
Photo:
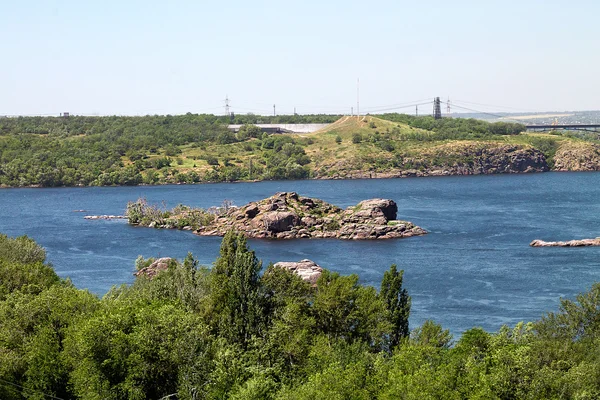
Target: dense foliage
[48, 151]
[455, 128]
[228, 332]
[73, 151]
[190, 148]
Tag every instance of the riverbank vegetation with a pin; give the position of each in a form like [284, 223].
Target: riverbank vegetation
[82, 151]
[230, 332]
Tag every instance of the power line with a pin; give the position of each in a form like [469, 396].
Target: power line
[29, 389]
[495, 106]
[482, 112]
[398, 105]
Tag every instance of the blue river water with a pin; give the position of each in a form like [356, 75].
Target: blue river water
[475, 268]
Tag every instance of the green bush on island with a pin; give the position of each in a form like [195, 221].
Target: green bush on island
[230, 332]
[139, 212]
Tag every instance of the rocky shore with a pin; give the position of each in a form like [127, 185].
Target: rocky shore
[461, 158]
[571, 243]
[286, 215]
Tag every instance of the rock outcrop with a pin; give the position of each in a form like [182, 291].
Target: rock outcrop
[455, 158]
[286, 215]
[571, 243]
[577, 156]
[105, 217]
[308, 270]
[161, 264]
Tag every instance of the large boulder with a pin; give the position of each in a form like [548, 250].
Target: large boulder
[308, 270]
[161, 264]
[374, 208]
[280, 221]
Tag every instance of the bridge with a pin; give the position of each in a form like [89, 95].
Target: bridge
[565, 127]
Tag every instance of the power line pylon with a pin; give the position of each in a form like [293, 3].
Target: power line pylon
[226, 105]
[437, 108]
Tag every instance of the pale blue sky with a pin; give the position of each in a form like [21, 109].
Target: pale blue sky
[151, 57]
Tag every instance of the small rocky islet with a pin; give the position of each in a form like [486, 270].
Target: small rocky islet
[285, 215]
[570, 243]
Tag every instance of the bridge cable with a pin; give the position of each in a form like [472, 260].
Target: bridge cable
[482, 112]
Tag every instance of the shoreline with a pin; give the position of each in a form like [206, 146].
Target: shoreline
[387, 175]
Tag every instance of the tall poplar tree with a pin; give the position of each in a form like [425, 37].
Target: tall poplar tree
[398, 303]
[236, 295]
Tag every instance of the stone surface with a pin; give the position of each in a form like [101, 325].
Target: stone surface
[161, 264]
[286, 215]
[571, 243]
[279, 221]
[105, 217]
[577, 156]
[308, 270]
[456, 158]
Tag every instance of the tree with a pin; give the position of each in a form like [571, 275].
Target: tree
[248, 131]
[397, 302]
[432, 334]
[345, 310]
[236, 303]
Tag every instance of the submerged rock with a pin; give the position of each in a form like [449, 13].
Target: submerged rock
[105, 217]
[571, 243]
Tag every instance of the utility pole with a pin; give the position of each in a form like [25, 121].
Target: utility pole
[357, 97]
[417, 110]
[448, 110]
[273, 109]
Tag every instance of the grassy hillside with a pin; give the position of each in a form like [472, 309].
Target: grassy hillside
[198, 148]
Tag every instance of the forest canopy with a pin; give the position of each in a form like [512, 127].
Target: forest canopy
[241, 331]
[192, 148]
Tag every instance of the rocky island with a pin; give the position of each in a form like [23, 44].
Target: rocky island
[285, 215]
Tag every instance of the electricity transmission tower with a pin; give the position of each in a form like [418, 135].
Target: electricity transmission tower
[226, 105]
[437, 108]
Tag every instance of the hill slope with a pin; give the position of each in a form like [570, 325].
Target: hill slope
[81, 151]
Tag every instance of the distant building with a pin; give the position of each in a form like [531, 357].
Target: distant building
[65, 115]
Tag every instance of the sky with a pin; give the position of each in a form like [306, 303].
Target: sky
[134, 57]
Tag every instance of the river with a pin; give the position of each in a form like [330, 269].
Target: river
[475, 268]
